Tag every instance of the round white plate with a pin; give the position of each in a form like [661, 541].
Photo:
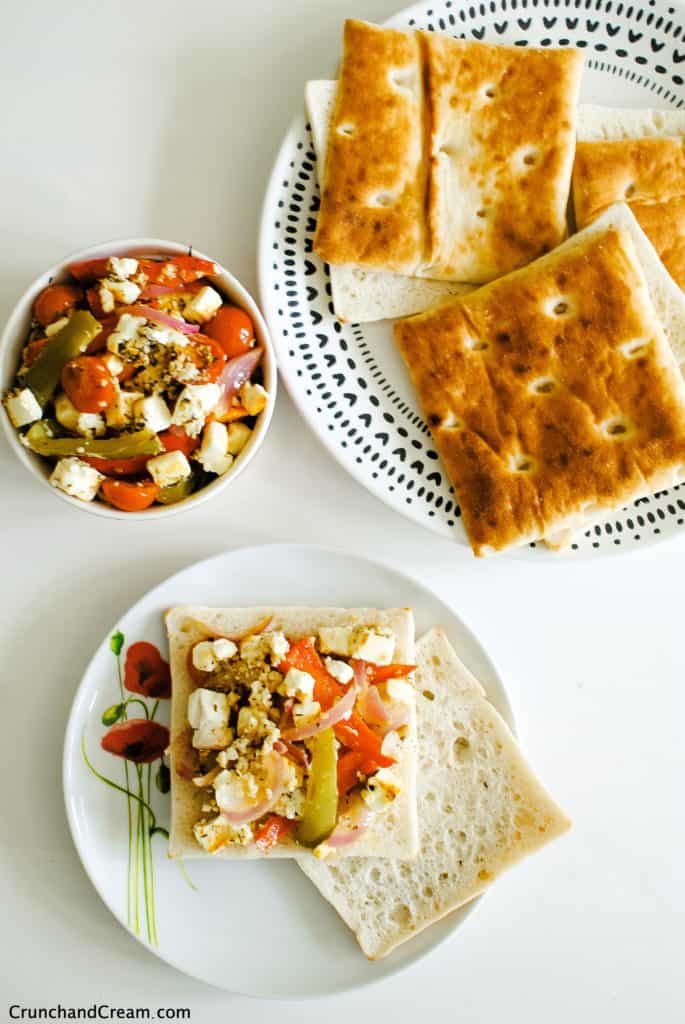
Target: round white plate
[348, 380]
[257, 928]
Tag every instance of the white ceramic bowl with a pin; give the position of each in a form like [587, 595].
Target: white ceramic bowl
[16, 331]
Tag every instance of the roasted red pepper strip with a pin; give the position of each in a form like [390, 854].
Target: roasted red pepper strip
[271, 831]
[355, 734]
[349, 766]
[174, 271]
[379, 673]
[352, 732]
[303, 656]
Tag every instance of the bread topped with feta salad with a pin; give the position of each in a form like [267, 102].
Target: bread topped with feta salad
[138, 380]
[293, 733]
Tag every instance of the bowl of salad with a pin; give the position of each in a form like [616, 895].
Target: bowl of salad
[138, 378]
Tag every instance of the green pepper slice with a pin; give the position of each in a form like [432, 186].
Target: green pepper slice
[176, 492]
[321, 802]
[74, 338]
[40, 439]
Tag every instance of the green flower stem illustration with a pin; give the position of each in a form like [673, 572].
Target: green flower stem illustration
[140, 741]
[116, 643]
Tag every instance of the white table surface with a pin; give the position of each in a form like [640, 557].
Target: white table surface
[162, 117]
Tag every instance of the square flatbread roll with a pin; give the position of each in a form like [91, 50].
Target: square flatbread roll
[372, 207]
[553, 394]
[502, 123]
[446, 159]
[637, 156]
[359, 294]
[394, 833]
[481, 810]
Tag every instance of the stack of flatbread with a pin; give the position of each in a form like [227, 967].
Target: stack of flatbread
[481, 810]
[553, 391]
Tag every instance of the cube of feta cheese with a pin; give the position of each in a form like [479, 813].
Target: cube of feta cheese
[238, 436]
[372, 646]
[23, 408]
[261, 646]
[113, 363]
[169, 468]
[208, 713]
[121, 413]
[340, 670]
[335, 639]
[112, 290]
[56, 326]
[306, 712]
[193, 406]
[213, 453]
[208, 653]
[126, 330]
[202, 306]
[224, 648]
[153, 412]
[122, 267]
[254, 397]
[381, 790]
[279, 646]
[248, 722]
[298, 684]
[400, 690]
[213, 835]
[87, 424]
[76, 478]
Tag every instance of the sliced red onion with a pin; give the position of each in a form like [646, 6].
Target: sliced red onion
[233, 376]
[242, 814]
[372, 707]
[341, 709]
[342, 835]
[297, 754]
[150, 313]
[156, 291]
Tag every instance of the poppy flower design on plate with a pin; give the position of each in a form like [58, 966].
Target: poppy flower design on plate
[140, 742]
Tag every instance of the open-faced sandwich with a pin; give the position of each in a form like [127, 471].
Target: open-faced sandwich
[297, 732]
[292, 733]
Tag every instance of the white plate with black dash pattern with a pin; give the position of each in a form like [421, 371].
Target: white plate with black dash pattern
[348, 380]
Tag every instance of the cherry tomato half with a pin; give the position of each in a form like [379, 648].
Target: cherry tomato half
[208, 356]
[118, 467]
[90, 270]
[129, 496]
[54, 301]
[178, 442]
[233, 329]
[88, 384]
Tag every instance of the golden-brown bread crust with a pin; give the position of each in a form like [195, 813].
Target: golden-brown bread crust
[407, 99]
[664, 225]
[502, 138]
[381, 161]
[525, 425]
[649, 174]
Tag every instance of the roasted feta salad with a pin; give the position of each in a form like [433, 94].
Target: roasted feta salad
[294, 740]
[138, 380]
